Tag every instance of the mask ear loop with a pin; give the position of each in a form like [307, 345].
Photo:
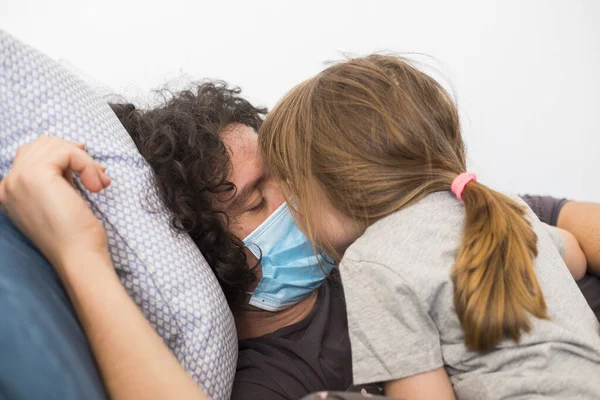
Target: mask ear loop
[251, 246]
[327, 258]
[258, 257]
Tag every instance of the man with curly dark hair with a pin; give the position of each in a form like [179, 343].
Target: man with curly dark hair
[202, 146]
[187, 141]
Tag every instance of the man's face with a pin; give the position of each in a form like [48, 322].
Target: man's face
[257, 195]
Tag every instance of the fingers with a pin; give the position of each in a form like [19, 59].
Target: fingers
[90, 171]
[68, 157]
[21, 151]
[105, 180]
[68, 174]
[75, 159]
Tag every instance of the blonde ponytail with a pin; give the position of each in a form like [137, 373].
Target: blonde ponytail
[495, 285]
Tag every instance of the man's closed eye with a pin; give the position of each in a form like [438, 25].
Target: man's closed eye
[258, 206]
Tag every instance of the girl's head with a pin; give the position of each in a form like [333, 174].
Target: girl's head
[360, 141]
[371, 136]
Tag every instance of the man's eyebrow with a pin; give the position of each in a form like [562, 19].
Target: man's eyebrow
[242, 194]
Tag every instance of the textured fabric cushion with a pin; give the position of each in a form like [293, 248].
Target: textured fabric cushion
[44, 352]
[163, 272]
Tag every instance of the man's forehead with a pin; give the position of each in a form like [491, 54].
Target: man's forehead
[246, 162]
[238, 137]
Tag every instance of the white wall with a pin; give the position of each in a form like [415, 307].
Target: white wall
[525, 72]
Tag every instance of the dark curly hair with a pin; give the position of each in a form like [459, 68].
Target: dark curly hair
[181, 140]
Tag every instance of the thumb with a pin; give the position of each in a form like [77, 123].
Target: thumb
[3, 196]
[2, 190]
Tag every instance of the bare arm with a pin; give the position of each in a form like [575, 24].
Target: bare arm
[428, 385]
[133, 360]
[583, 221]
[37, 196]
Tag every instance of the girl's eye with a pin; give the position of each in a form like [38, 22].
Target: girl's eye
[258, 206]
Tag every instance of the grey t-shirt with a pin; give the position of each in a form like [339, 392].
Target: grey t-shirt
[401, 317]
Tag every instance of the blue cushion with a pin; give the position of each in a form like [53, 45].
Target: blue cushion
[43, 350]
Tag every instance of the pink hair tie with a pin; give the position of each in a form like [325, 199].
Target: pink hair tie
[459, 183]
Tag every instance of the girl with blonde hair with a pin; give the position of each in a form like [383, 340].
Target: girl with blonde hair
[452, 288]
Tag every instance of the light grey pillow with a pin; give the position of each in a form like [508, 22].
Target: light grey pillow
[165, 273]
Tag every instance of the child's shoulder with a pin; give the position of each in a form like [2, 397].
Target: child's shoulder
[419, 233]
[440, 210]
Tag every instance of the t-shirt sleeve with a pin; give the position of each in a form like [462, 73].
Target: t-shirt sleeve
[391, 333]
[546, 208]
[557, 238]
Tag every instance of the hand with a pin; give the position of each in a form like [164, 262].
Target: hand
[39, 197]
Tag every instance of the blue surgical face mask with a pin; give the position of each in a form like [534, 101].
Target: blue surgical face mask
[290, 268]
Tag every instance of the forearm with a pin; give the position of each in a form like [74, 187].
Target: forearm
[583, 221]
[427, 385]
[133, 360]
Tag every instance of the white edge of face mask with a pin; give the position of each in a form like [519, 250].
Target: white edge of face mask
[274, 215]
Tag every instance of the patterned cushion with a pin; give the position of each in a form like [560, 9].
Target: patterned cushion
[165, 273]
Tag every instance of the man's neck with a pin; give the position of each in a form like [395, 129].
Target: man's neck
[253, 322]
